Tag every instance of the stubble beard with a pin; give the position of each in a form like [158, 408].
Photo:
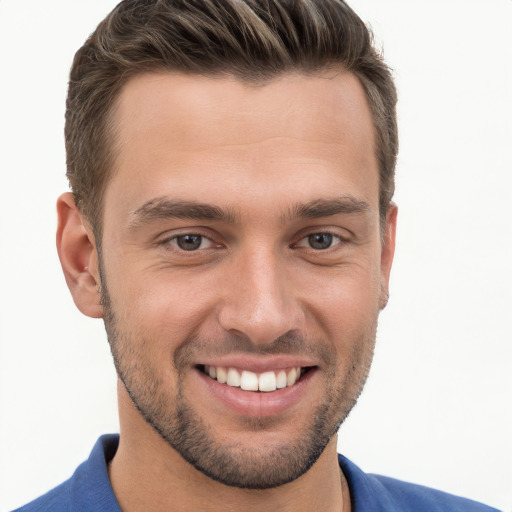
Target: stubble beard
[180, 425]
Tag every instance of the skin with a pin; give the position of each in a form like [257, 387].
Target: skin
[255, 290]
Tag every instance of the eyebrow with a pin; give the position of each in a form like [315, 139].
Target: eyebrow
[318, 208]
[165, 208]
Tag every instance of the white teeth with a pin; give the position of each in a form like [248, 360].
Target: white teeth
[267, 382]
[249, 381]
[281, 380]
[291, 377]
[222, 376]
[233, 378]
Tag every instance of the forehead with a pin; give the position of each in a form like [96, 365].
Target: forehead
[190, 108]
[205, 136]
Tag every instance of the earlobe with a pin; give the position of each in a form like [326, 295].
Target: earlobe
[387, 253]
[78, 256]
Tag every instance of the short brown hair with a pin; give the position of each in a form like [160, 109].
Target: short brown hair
[253, 40]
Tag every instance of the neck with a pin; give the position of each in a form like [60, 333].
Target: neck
[147, 474]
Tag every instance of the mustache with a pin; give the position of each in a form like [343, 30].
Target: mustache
[290, 343]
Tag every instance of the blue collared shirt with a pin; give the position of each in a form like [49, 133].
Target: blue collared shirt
[89, 490]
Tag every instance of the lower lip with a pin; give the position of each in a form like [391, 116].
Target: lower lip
[257, 404]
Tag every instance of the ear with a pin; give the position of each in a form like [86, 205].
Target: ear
[387, 253]
[78, 256]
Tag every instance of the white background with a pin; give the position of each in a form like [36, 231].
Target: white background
[437, 408]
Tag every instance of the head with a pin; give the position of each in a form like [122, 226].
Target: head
[251, 40]
[232, 170]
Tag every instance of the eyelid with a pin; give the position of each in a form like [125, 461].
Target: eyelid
[169, 238]
[303, 240]
[173, 241]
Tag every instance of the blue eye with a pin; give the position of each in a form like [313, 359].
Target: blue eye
[320, 240]
[191, 242]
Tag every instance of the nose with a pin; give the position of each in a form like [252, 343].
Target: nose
[259, 300]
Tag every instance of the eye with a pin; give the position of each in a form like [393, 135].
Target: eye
[319, 241]
[191, 242]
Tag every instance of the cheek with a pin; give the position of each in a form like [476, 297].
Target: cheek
[161, 307]
[349, 312]
[168, 307]
[347, 300]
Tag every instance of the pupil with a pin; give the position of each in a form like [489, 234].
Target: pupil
[320, 240]
[189, 242]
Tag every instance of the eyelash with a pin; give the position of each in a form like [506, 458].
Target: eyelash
[337, 240]
[174, 238]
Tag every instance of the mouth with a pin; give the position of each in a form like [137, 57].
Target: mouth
[264, 382]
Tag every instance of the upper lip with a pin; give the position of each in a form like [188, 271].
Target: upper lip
[258, 364]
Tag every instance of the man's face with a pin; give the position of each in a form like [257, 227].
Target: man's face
[241, 238]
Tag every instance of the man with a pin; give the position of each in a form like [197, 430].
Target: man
[231, 221]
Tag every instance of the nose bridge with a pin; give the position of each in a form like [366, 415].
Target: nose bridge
[259, 301]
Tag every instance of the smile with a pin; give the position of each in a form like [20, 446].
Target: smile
[251, 381]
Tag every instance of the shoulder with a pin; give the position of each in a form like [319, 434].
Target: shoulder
[56, 500]
[88, 490]
[376, 493]
[418, 497]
